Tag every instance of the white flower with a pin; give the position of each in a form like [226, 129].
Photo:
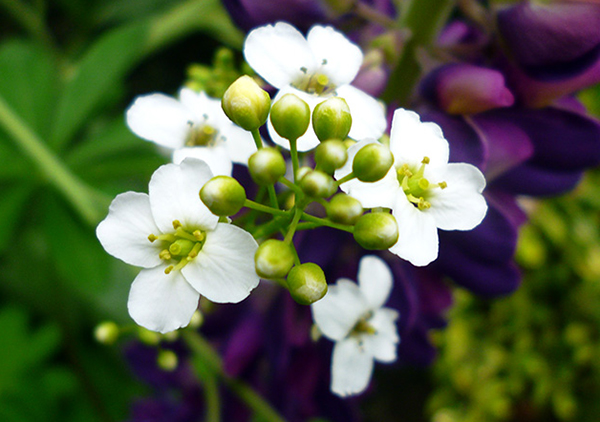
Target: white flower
[182, 247]
[424, 191]
[352, 315]
[314, 68]
[193, 126]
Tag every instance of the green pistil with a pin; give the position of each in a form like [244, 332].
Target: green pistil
[202, 136]
[182, 245]
[315, 84]
[416, 186]
[363, 326]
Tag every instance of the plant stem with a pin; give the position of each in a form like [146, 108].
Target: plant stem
[323, 222]
[212, 361]
[294, 154]
[260, 207]
[257, 138]
[290, 234]
[90, 204]
[424, 19]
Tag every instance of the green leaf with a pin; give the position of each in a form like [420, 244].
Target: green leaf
[102, 67]
[28, 83]
[12, 201]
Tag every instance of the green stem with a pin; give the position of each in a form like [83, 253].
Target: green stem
[260, 207]
[291, 185]
[424, 19]
[324, 222]
[294, 154]
[212, 361]
[257, 138]
[346, 178]
[90, 204]
[292, 229]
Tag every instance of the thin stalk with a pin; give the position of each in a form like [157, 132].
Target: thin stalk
[294, 154]
[292, 229]
[260, 207]
[324, 222]
[211, 359]
[346, 178]
[90, 204]
[257, 138]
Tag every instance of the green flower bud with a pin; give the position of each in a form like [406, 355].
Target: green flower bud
[223, 195]
[318, 184]
[376, 230]
[344, 209]
[106, 332]
[307, 283]
[274, 259]
[197, 319]
[332, 119]
[266, 166]
[303, 171]
[372, 162]
[151, 338]
[246, 104]
[290, 116]
[331, 155]
[167, 360]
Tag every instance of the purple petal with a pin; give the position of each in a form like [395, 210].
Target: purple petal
[552, 41]
[466, 89]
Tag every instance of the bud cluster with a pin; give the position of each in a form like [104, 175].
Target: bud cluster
[312, 181]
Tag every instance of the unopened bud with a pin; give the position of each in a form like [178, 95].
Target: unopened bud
[246, 104]
[167, 360]
[223, 195]
[146, 336]
[331, 155]
[318, 184]
[372, 162]
[332, 119]
[266, 166]
[344, 209]
[197, 319]
[307, 283]
[106, 332]
[290, 116]
[376, 231]
[274, 259]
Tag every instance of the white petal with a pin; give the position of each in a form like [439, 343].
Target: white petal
[411, 140]
[216, 157]
[307, 141]
[199, 104]
[375, 280]
[460, 206]
[351, 367]
[337, 56]
[339, 311]
[161, 119]
[417, 234]
[224, 271]
[384, 343]
[174, 195]
[124, 232]
[278, 53]
[239, 143]
[368, 114]
[377, 194]
[161, 302]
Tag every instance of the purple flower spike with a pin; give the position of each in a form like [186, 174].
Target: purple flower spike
[248, 14]
[467, 89]
[552, 41]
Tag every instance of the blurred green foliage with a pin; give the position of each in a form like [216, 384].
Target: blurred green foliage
[531, 356]
[68, 70]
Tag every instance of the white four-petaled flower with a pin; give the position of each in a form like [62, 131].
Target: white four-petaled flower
[314, 68]
[182, 247]
[423, 190]
[193, 126]
[363, 330]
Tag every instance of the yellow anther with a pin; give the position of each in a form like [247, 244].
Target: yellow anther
[199, 235]
[169, 269]
[425, 160]
[322, 80]
[176, 224]
[195, 250]
[423, 204]
[165, 254]
[443, 185]
[152, 238]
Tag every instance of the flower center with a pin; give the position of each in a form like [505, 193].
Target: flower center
[314, 83]
[181, 245]
[363, 326]
[416, 186]
[201, 135]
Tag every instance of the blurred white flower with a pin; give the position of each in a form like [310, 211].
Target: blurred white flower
[353, 316]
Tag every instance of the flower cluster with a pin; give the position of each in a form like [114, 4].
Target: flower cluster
[439, 193]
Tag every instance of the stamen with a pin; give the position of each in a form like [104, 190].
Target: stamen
[165, 255]
[199, 235]
[423, 204]
[443, 185]
[176, 224]
[195, 250]
[152, 237]
[180, 232]
[169, 269]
